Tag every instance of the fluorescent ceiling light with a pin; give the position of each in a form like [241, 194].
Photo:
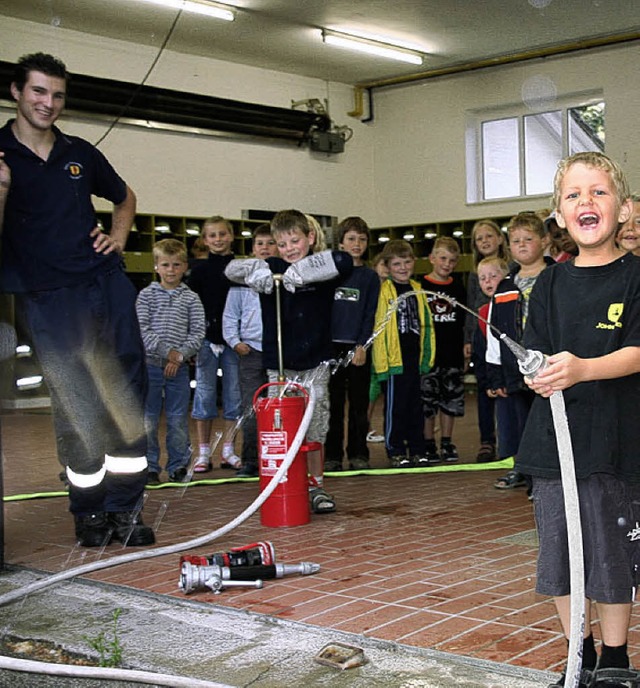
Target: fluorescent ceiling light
[365, 45]
[205, 7]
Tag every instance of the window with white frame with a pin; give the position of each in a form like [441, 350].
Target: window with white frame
[513, 152]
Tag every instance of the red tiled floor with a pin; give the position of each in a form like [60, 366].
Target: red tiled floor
[430, 559]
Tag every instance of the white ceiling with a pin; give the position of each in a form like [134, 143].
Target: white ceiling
[284, 34]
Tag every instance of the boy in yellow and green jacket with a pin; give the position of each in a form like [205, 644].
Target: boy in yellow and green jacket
[403, 351]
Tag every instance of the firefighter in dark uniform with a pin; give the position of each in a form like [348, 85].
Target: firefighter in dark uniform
[77, 301]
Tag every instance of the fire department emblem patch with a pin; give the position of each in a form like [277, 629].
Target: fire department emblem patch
[74, 169]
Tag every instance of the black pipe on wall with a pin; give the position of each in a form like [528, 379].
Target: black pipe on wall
[127, 100]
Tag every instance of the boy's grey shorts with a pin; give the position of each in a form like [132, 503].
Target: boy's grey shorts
[442, 389]
[610, 515]
[319, 379]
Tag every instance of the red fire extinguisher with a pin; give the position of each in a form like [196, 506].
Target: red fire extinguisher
[278, 419]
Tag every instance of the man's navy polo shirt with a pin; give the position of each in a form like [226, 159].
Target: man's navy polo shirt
[49, 214]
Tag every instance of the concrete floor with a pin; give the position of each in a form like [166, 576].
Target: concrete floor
[208, 642]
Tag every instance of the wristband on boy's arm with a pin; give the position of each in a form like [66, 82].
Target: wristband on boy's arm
[254, 272]
[318, 267]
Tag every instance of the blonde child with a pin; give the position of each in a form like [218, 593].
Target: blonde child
[585, 316]
[491, 271]
[172, 325]
[320, 243]
[487, 241]
[401, 353]
[443, 386]
[508, 313]
[208, 281]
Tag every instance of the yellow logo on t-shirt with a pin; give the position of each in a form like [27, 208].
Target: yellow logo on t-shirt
[613, 314]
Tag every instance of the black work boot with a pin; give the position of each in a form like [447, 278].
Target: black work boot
[93, 530]
[129, 529]
[248, 470]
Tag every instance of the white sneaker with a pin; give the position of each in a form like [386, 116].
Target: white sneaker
[372, 436]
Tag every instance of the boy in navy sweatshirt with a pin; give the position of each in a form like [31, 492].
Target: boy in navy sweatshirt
[354, 310]
[309, 282]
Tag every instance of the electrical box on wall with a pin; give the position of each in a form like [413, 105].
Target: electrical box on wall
[326, 142]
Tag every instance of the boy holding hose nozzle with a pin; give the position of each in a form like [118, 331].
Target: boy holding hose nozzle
[309, 280]
[585, 316]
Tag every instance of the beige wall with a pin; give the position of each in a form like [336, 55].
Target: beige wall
[419, 145]
[408, 165]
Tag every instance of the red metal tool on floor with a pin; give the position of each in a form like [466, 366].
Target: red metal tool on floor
[255, 554]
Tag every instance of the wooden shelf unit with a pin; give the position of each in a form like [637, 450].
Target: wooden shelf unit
[421, 236]
[147, 229]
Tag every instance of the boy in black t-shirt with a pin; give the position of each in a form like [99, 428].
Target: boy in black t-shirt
[585, 315]
[443, 387]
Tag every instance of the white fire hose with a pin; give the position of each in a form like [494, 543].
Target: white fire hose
[149, 677]
[530, 363]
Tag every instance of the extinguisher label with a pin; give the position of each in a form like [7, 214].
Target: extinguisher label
[273, 448]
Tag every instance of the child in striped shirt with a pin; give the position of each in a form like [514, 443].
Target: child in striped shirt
[172, 325]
